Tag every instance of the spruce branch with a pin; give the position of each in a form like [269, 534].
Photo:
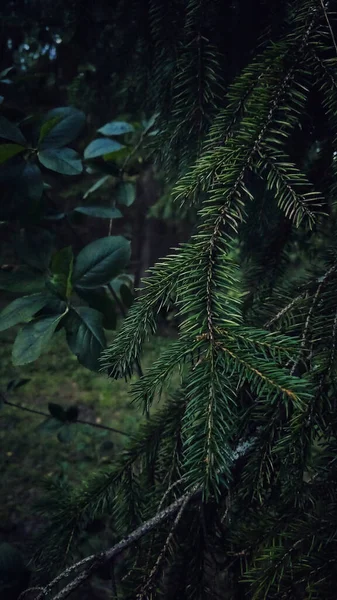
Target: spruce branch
[154, 571]
[91, 563]
[284, 310]
[324, 9]
[308, 320]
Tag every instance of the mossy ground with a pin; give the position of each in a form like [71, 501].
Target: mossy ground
[29, 454]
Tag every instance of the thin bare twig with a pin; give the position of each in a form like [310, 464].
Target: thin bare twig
[48, 416]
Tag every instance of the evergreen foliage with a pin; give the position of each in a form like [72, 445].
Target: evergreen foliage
[253, 427]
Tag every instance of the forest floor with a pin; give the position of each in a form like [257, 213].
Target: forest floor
[30, 454]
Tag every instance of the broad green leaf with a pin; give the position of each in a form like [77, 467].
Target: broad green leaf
[100, 147]
[34, 246]
[97, 185]
[117, 282]
[22, 310]
[100, 300]
[62, 160]
[102, 212]
[50, 425]
[5, 72]
[116, 128]
[62, 270]
[118, 157]
[124, 278]
[101, 261]
[55, 305]
[65, 434]
[7, 151]
[22, 280]
[126, 193]
[57, 411]
[85, 336]
[47, 126]
[33, 339]
[11, 132]
[70, 122]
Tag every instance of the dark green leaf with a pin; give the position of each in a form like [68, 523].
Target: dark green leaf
[100, 300]
[101, 261]
[85, 336]
[97, 185]
[100, 147]
[116, 128]
[62, 269]
[50, 425]
[65, 434]
[11, 132]
[46, 128]
[7, 151]
[118, 157]
[33, 339]
[55, 306]
[72, 414]
[22, 280]
[16, 384]
[22, 310]
[5, 72]
[34, 246]
[62, 160]
[126, 193]
[57, 411]
[63, 125]
[102, 212]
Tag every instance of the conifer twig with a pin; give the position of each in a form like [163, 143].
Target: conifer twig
[91, 563]
[309, 317]
[123, 313]
[324, 8]
[149, 583]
